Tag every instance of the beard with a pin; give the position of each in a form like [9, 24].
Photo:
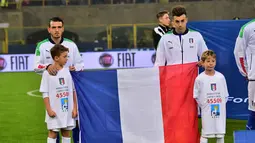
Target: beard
[56, 35]
[180, 30]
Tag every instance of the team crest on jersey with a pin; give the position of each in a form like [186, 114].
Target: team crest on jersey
[191, 40]
[215, 110]
[213, 86]
[61, 81]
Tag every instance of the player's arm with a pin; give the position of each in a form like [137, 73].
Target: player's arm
[39, 66]
[225, 89]
[75, 104]
[239, 52]
[78, 61]
[156, 37]
[201, 46]
[46, 100]
[44, 89]
[75, 107]
[160, 54]
[196, 92]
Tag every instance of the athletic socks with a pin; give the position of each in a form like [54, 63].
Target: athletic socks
[51, 140]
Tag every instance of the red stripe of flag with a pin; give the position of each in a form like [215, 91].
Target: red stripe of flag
[180, 117]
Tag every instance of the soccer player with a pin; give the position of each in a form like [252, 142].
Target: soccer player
[59, 97]
[244, 51]
[211, 93]
[43, 59]
[162, 28]
[181, 45]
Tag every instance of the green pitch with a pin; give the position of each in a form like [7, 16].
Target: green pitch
[22, 115]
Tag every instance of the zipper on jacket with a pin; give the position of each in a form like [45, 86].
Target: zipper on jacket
[181, 43]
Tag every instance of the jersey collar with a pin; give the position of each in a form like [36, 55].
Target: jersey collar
[61, 41]
[175, 33]
[165, 28]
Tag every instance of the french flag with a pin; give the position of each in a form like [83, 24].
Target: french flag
[147, 105]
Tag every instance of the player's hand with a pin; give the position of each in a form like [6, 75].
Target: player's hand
[74, 113]
[199, 63]
[51, 113]
[246, 77]
[52, 70]
[72, 68]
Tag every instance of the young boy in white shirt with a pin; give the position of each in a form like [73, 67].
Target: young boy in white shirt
[211, 94]
[59, 97]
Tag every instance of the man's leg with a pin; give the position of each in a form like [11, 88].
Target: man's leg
[251, 121]
[220, 140]
[203, 140]
[58, 138]
[65, 136]
[76, 133]
[51, 136]
[251, 118]
[51, 140]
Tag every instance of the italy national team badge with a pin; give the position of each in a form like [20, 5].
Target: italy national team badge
[215, 110]
[64, 104]
[191, 40]
[61, 81]
[213, 86]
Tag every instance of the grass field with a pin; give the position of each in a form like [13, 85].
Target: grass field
[22, 116]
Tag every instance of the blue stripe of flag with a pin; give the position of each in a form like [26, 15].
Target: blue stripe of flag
[98, 101]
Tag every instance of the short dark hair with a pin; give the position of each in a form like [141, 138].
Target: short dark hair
[56, 19]
[178, 11]
[161, 13]
[208, 53]
[57, 49]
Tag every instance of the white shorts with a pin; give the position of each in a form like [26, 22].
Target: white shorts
[251, 95]
[67, 128]
[213, 135]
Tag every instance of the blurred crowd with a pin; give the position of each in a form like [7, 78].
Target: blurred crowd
[8, 3]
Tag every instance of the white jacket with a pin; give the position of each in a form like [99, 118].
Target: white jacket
[180, 49]
[43, 57]
[245, 50]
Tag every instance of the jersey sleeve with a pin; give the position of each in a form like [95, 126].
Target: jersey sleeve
[78, 61]
[201, 46]
[39, 66]
[239, 51]
[160, 54]
[197, 91]
[44, 87]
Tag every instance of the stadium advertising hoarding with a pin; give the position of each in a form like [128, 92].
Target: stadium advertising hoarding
[14, 63]
[92, 60]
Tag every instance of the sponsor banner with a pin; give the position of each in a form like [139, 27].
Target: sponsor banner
[92, 60]
[125, 59]
[14, 63]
